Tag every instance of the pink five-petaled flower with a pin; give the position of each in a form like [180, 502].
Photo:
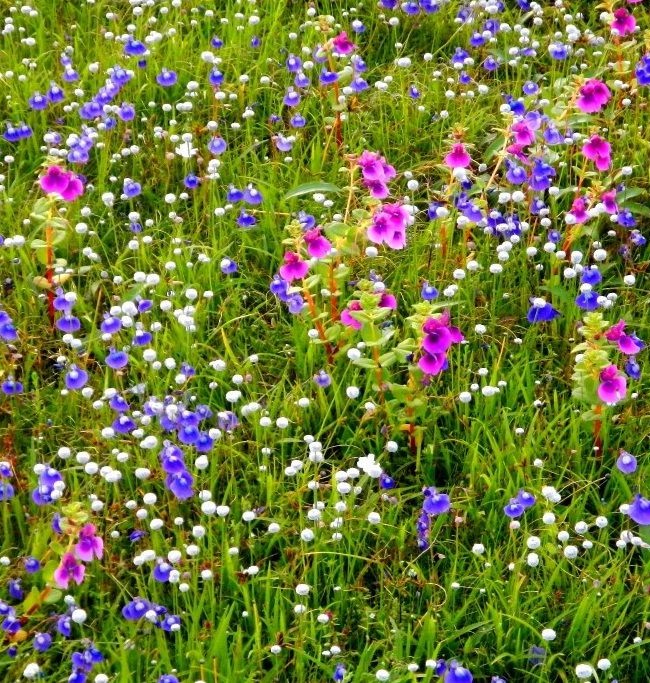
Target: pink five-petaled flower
[69, 570]
[624, 23]
[317, 245]
[593, 96]
[613, 385]
[389, 226]
[293, 268]
[342, 44]
[90, 545]
[599, 151]
[628, 344]
[458, 157]
[64, 183]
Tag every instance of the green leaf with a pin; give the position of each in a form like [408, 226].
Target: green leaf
[311, 188]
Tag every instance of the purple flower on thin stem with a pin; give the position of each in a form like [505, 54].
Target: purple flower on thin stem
[76, 378]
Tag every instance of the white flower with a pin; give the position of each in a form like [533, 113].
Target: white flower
[186, 150]
[369, 466]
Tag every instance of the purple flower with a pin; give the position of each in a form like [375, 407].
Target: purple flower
[541, 312]
[640, 510]
[457, 673]
[76, 378]
[180, 484]
[435, 503]
[117, 359]
[626, 462]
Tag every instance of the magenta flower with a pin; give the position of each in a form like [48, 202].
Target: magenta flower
[64, 183]
[378, 188]
[609, 201]
[593, 96]
[579, 210]
[628, 344]
[389, 226]
[613, 385]
[371, 166]
[432, 363]
[69, 570]
[89, 545]
[317, 245]
[599, 151]
[624, 23]
[458, 157]
[386, 301]
[294, 268]
[342, 44]
[523, 133]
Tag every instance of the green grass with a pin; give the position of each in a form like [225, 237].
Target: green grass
[389, 604]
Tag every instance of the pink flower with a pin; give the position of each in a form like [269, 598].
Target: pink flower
[342, 44]
[523, 133]
[89, 544]
[599, 151]
[64, 183]
[593, 96]
[613, 385]
[69, 570]
[432, 363]
[439, 335]
[389, 226]
[458, 157]
[317, 245]
[579, 210]
[629, 344]
[624, 23]
[347, 319]
[609, 201]
[386, 301]
[294, 268]
[378, 188]
[371, 166]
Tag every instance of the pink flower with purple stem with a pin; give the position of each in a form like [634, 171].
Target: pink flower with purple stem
[593, 96]
[624, 23]
[90, 545]
[64, 183]
[68, 570]
[613, 385]
[318, 245]
[293, 268]
[458, 157]
[599, 151]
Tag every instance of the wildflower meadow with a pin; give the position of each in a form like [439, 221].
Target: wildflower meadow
[323, 331]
